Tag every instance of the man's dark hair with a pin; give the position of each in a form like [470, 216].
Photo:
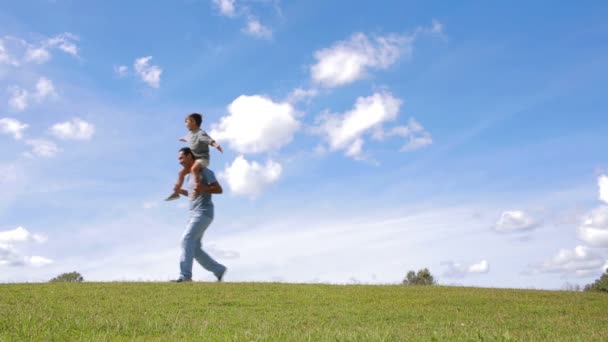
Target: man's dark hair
[197, 118]
[186, 151]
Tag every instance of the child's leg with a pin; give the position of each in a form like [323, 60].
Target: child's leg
[180, 179]
[199, 164]
[196, 172]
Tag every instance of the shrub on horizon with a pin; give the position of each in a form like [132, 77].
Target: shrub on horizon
[600, 285]
[71, 277]
[423, 277]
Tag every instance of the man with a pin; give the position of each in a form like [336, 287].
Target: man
[201, 216]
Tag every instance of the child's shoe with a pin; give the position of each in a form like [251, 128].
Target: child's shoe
[173, 196]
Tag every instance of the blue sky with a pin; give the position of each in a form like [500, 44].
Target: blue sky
[362, 139]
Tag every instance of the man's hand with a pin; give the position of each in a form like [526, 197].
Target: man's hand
[200, 188]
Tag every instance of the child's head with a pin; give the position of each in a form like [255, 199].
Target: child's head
[194, 121]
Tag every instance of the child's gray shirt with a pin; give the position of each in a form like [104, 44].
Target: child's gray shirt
[199, 144]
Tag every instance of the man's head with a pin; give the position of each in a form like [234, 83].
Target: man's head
[185, 157]
[194, 121]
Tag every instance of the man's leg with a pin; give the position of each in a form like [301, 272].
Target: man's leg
[202, 257]
[190, 241]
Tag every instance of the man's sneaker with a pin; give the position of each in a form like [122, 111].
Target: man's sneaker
[181, 280]
[220, 275]
[173, 196]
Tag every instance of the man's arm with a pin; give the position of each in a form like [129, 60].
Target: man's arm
[213, 188]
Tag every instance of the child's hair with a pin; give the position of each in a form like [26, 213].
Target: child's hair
[198, 119]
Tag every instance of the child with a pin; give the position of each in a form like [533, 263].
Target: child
[199, 142]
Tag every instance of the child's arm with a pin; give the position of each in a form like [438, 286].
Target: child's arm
[209, 140]
[184, 138]
[216, 145]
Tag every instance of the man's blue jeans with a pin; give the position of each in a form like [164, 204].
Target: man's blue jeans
[192, 248]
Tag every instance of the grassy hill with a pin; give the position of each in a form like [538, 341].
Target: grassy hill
[278, 312]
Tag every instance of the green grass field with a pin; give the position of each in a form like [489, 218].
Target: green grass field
[279, 312]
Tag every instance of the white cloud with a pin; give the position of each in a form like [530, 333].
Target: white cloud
[412, 127]
[12, 126]
[65, 42]
[580, 262]
[398, 243]
[121, 70]
[9, 255]
[42, 148]
[148, 73]
[5, 58]
[8, 46]
[20, 234]
[39, 52]
[436, 27]
[594, 229]
[355, 148]
[417, 142]
[44, 89]
[602, 183]
[251, 179]
[18, 99]
[256, 124]
[300, 94]
[417, 137]
[515, 221]
[38, 261]
[348, 61]
[226, 7]
[457, 270]
[480, 267]
[253, 26]
[256, 29]
[76, 129]
[345, 131]
[37, 55]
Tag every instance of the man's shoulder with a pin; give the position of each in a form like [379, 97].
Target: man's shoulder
[208, 173]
